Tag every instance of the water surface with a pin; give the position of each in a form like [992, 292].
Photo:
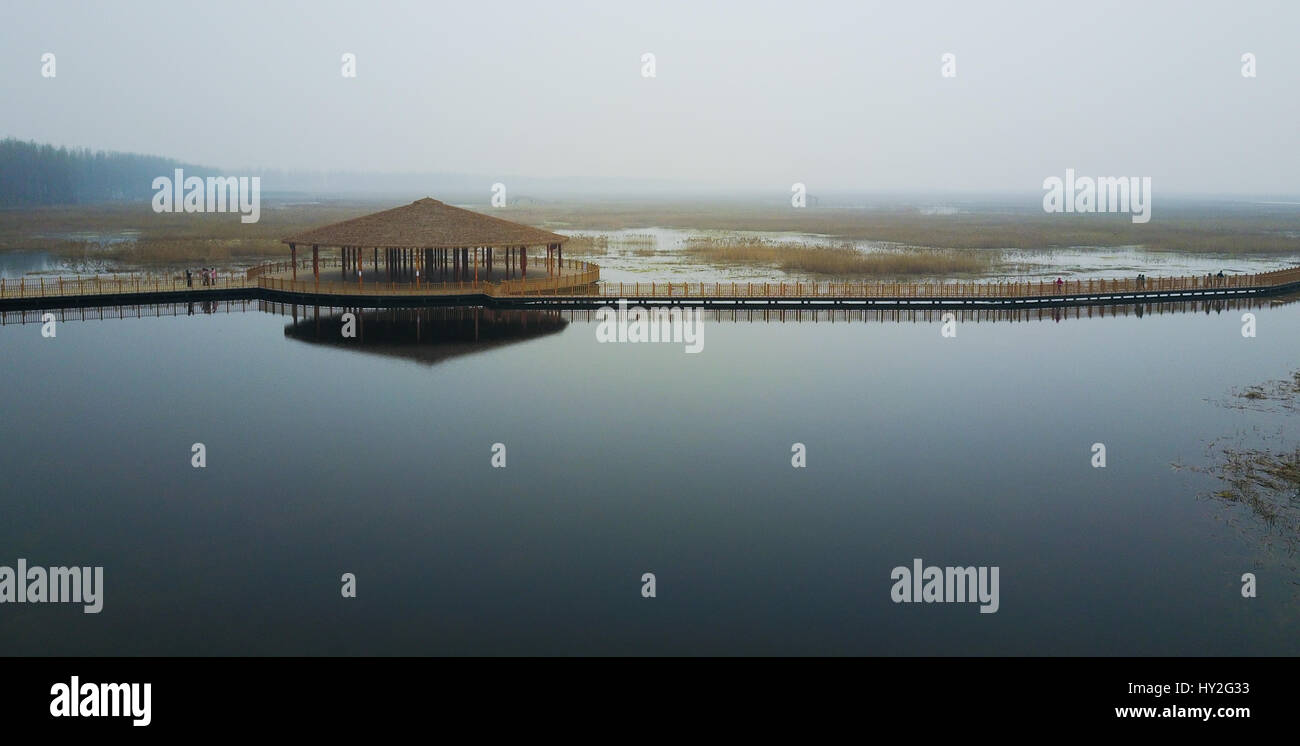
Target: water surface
[373, 457]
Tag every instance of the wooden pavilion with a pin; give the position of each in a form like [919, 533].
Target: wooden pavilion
[429, 241]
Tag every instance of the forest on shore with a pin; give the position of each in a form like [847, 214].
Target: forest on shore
[32, 174]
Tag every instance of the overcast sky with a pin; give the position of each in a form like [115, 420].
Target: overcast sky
[838, 95]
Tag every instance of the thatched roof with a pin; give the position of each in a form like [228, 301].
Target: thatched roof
[426, 224]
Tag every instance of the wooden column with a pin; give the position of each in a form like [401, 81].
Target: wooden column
[293, 254]
[523, 261]
[315, 261]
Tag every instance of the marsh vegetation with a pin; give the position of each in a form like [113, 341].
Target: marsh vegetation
[1183, 227]
[828, 242]
[1260, 470]
[132, 234]
[844, 260]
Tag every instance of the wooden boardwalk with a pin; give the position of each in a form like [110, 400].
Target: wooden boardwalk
[576, 284]
[737, 314]
[972, 294]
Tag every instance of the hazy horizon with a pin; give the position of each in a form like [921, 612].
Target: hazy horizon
[749, 98]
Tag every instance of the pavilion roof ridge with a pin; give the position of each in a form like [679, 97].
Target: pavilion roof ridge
[426, 223]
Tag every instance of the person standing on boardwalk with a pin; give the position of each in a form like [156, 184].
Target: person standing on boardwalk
[189, 278]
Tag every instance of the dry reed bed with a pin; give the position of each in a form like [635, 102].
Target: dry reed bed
[163, 239]
[1190, 227]
[591, 244]
[171, 238]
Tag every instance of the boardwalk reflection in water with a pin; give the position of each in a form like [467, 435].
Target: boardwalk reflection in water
[428, 335]
[738, 315]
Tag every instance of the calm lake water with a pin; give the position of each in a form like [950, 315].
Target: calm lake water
[373, 457]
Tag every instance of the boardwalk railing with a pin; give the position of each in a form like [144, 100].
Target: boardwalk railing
[57, 287]
[582, 279]
[1020, 289]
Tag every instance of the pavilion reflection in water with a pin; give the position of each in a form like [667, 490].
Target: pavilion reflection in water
[427, 335]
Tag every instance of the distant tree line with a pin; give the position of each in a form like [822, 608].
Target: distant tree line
[34, 174]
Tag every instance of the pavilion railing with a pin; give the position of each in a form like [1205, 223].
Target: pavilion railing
[573, 276]
[577, 281]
